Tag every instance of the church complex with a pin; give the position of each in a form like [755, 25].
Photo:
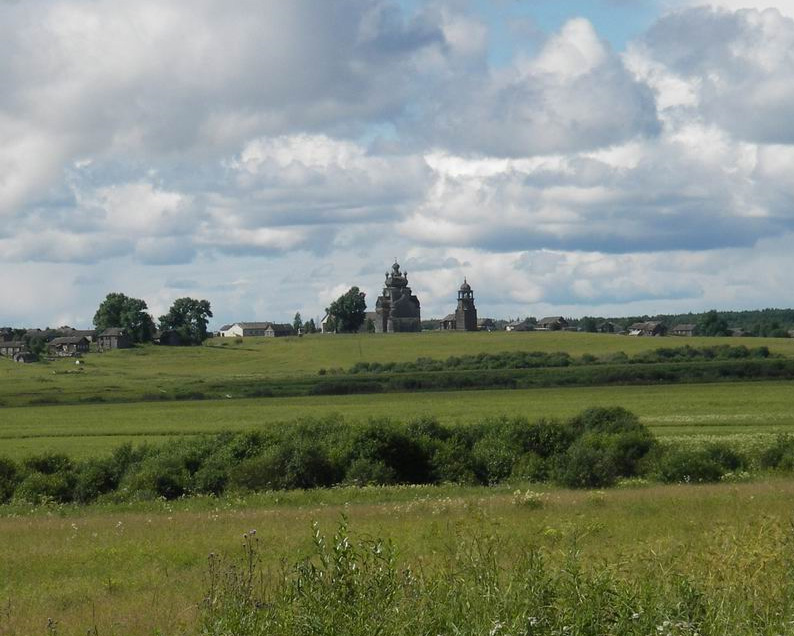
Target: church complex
[398, 310]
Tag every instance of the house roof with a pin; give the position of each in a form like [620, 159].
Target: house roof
[281, 327]
[550, 320]
[685, 327]
[113, 331]
[225, 327]
[13, 344]
[67, 340]
[448, 318]
[253, 325]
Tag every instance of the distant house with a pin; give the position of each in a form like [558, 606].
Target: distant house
[552, 323]
[24, 357]
[649, 328]
[12, 347]
[113, 338]
[6, 335]
[738, 333]
[486, 324]
[326, 324]
[519, 325]
[244, 329]
[683, 330]
[606, 327]
[447, 323]
[68, 346]
[279, 330]
[369, 317]
[88, 334]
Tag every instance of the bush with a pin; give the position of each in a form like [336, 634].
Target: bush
[588, 463]
[9, 478]
[367, 472]
[679, 465]
[38, 488]
[160, 475]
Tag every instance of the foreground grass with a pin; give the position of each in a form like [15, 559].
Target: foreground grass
[736, 409]
[138, 568]
[152, 373]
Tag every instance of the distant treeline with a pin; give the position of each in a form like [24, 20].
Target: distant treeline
[772, 323]
[593, 449]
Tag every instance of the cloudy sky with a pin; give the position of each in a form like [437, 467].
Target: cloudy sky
[607, 157]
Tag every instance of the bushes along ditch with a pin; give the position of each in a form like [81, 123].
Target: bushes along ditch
[594, 449]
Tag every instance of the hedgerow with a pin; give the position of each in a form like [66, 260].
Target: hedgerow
[591, 450]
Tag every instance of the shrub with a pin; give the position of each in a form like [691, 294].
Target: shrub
[494, 458]
[530, 467]
[161, 475]
[48, 463]
[9, 478]
[679, 465]
[588, 463]
[366, 472]
[39, 488]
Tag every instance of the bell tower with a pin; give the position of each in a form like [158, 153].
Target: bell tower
[466, 313]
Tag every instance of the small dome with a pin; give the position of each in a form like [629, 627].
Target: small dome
[465, 286]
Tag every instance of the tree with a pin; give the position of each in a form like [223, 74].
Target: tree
[188, 317]
[348, 311]
[297, 322]
[309, 326]
[123, 312]
[588, 324]
[712, 325]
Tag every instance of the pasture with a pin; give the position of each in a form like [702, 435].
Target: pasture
[154, 373]
[744, 410]
[141, 568]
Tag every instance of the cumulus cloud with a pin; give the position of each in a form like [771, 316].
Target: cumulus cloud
[736, 68]
[191, 146]
[575, 94]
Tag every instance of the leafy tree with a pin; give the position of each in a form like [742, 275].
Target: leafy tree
[309, 326]
[711, 324]
[130, 314]
[188, 317]
[588, 324]
[348, 311]
[297, 322]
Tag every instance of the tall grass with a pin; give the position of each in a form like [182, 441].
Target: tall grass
[479, 587]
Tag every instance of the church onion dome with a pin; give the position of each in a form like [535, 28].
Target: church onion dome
[465, 286]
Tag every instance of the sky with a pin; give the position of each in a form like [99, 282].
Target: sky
[581, 157]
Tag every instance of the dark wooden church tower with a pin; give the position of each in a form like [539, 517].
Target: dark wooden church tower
[466, 313]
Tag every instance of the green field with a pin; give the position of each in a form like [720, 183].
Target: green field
[154, 373]
[751, 409]
[140, 567]
[132, 570]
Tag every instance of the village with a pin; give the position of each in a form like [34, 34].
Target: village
[397, 310]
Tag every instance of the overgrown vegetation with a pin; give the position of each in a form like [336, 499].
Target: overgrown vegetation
[360, 587]
[593, 449]
[545, 359]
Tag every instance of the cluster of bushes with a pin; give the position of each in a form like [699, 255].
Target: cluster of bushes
[671, 372]
[541, 359]
[593, 449]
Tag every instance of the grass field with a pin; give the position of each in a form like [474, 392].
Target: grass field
[151, 372]
[737, 409]
[140, 568]
[137, 569]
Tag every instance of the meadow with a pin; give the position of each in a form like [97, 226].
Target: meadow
[157, 373]
[730, 410]
[142, 567]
